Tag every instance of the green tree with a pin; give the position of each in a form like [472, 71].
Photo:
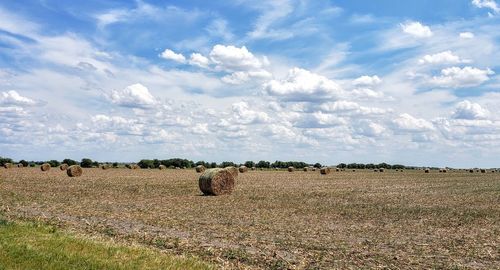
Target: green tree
[249, 164]
[5, 160]
[227, 164]
[24, 162]
[263, 164]
[86, 163]
[54, 163]
[70, 161]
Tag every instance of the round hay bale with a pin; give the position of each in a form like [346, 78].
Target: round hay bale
[427, 170]
[133, 166]
[253, 168]
[313, 169]
[243, 169]
[45, 167]
[483, 171]
[444, 170]
[471, 171]
[7, 165]
[162, 167]
[381, 170]
[74, 171]
[200, 168]
[305, 169]
[233, 170]
[20, 165]
[353, 170]
[216, 182]
[291, 169]
[177, 168]
[276, 169]
[63, 167]
[337, 169]
[325, 170]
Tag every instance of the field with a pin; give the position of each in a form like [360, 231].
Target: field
[275, 219]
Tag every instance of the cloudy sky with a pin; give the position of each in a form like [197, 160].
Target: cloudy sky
[411, 82]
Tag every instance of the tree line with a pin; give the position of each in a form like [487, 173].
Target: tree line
[185, 163]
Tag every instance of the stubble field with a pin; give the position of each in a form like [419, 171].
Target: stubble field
[276, 220]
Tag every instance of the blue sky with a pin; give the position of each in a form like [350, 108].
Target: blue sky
[412, 82]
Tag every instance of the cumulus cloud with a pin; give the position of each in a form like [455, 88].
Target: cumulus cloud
[116, 124]
[136, 96]
[14, 98]
[456, 77]
[303, 85]
[446, 57]
[244, 115]
[490, 4]
[365, 93]
[351, 108]
[286, 134]
[369, 129]
[199, 60]
[242, 65]
[367, 81]
[469, 110]
[406, 122]
[171, 55]
[416, 29]
[231, 58]
[240, 77]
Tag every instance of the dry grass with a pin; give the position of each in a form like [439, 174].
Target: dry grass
[275, 219]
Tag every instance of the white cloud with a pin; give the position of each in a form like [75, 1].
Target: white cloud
[13, 98]
[301, 84]
[469, 110]
[366, 93]
[351, 108]
[200, 129]
[491, 4]
[367, 81]
[199, 60]
[136, 95]
[406, 122]
[231, 58]
[171, 55]
[12, 112]
[416, 29]
[272, 12]
[467, 35]
[240, 77]
[244, 115]
[370, 129]
[446, 57]
[456, 77]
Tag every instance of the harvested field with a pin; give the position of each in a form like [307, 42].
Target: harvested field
[276, 219]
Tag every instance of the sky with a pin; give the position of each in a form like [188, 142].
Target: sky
[408, 82]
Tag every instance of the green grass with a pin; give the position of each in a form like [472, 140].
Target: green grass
[34, 246]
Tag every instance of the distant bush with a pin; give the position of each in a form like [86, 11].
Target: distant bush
[24, 162]
[86, 163]
[53, 163]
[70, 161]
[5, 160]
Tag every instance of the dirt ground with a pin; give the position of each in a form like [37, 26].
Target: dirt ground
[277, 219]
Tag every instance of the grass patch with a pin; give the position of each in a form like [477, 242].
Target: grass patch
[34, 246]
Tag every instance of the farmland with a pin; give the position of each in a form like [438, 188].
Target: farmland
[275, 219]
